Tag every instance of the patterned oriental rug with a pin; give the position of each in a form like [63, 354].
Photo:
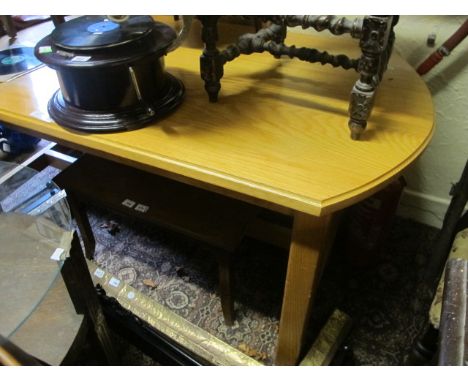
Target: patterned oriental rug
[181, 274]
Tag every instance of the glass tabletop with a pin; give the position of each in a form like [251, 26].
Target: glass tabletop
[35, 225]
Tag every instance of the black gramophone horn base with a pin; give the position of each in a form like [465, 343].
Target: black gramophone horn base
[133, 118]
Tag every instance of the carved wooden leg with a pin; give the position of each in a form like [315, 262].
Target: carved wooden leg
[225, 287]
[311, 239]
[211, 62]
[83, 294]
[281, 37]
[360, 107]
[373, 43]
[9, 26]
[78, 211]
[57, 19]
[387, 52]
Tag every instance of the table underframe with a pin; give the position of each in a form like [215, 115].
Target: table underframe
[309, 244]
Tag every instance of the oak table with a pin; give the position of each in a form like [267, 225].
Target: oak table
[278, 138]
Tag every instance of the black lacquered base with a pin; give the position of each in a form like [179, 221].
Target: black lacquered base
[133, 118]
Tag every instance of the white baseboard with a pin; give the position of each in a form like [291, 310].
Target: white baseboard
[424, 208]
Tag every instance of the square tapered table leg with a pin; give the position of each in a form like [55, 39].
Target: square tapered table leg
[310, 244]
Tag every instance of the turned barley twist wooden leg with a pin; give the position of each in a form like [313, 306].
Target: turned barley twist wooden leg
[211, 62]
[374, 39]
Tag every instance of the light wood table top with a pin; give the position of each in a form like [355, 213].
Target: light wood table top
[278, 133]
[278, 137]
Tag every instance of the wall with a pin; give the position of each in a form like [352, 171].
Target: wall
[426, 197]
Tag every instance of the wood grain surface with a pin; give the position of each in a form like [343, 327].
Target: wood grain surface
[278, 134]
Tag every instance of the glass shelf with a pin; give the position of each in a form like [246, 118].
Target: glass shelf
[34, 222]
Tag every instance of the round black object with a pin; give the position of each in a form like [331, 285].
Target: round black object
[91, 32]
[111, 75]
[16, 60]
[67, 115]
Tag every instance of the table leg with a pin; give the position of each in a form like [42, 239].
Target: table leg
[9, 26]
[80, 215]
[310, 242]
[211, 62]
[83, 294]
[376, 31]
[225, 287]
